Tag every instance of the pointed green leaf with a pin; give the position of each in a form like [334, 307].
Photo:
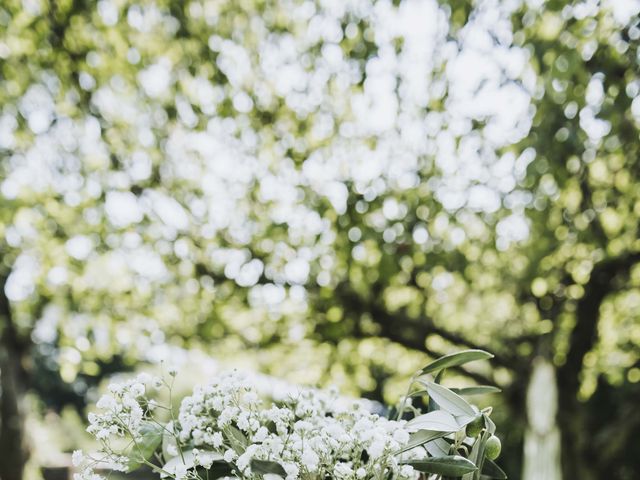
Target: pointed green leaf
[432, 404]
[450, 466]
[438, 447]
[236, 438]
[439, 421]
[420, 438]
[456, 359]
[474, 455]
[477, 455]
[144, 448]
[218, 470]
[419, 393]
[491, 427]
[464, 420]
[264, 467]
[478, 390]
[449, 401]
[491, 470]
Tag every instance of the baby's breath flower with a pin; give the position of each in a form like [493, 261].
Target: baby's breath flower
[342, 470]
[77, 458]
[310, 432]
[230, 455]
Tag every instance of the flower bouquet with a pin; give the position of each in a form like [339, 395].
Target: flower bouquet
[226, 429]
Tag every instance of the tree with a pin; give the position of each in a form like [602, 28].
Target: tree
[153, 184]
[585, 134]
[257, 173]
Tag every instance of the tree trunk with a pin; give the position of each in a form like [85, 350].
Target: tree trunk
[577, 461]
[578, 457]
[542, 436]
[13, 454]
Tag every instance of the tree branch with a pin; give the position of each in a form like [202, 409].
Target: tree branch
[403, 330]
[585, 333]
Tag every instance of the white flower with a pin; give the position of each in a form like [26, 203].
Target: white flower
[205, 459]
[180, 471]
[303, 426]
[137, 390]
[261, 435]
[401, 436]
[244, 461]
[216, 440]
[87, 474]
[77, 458]
[342, 470]
[117, 463]
[115, 388]
[230, 455]
[292, 471]
[172, 450]
[310, 459]
[376, 449]
[251, 397]
[106, 402]
[227, 416]
[309, 432]
[407, 471]
[243, 421]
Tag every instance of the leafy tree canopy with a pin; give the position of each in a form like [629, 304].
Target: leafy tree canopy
[364, 181]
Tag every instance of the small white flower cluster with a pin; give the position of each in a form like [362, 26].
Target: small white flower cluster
[309, 435]
[85, 465]
[233, 428]
[122, 412]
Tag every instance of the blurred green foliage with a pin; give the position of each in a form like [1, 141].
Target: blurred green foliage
[279, 179]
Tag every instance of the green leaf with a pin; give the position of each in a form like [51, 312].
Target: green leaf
[237, 439]
[419, 393]
[478, 390]
[449, 401]
[473, 456]
[217, 470]
[438, 447]
[419, 438]
[144, 448]
[264, 467]
[491, 470]
[438, 420]
[432, 404]
[477, 455]
[456, 359]
[451, 465]
[491, 427]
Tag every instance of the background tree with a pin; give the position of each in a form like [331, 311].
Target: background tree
[339, 188]
[583, 261]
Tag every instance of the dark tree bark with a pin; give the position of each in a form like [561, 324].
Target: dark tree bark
[13, 454]
[578, 458]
